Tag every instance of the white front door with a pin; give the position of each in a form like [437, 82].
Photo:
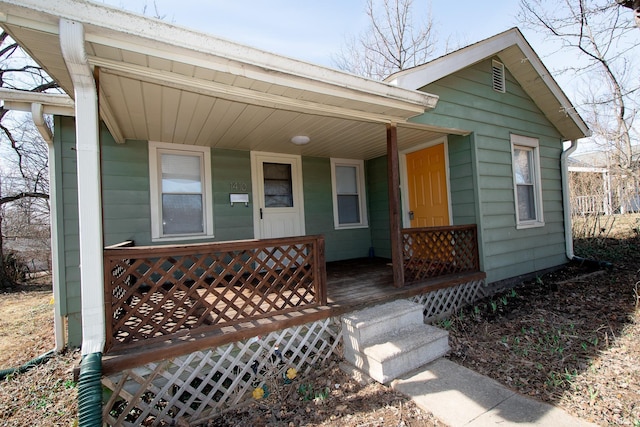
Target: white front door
[277, 195]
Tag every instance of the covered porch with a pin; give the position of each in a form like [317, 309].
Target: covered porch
[166, 301]
[140, 87]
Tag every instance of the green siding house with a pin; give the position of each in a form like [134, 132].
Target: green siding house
[510, 182]
[178, 157]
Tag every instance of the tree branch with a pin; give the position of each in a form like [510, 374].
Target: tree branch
[24, 195]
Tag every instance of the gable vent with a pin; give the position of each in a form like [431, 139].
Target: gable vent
[497, 69]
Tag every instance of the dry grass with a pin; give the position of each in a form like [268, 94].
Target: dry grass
[26, 324]
[46, 395]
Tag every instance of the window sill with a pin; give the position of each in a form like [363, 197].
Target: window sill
[185, 237]
[351, 227]
[525, 225]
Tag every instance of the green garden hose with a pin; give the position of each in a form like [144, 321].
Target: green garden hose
[4, 373]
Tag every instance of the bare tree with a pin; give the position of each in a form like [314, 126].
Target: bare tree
[394, 40]
[635, 6]
[599, 34]
[24, 190]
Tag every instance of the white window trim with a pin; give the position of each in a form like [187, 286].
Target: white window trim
[532, 143]
[359, 165]
[155, 187]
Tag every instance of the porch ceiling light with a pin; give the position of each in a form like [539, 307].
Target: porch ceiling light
[300, 139]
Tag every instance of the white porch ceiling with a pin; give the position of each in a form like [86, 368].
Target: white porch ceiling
[188, 88]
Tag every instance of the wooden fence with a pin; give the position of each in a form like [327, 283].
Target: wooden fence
[439, 251]
[154, 292]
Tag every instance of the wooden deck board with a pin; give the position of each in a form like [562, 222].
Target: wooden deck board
[351, 285]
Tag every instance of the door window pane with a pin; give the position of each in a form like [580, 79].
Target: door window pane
[278, 188]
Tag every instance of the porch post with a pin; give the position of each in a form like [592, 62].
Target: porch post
[393, 174]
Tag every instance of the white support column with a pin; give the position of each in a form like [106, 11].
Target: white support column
[89, 187]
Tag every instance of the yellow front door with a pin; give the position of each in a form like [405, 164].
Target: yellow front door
[427, 186]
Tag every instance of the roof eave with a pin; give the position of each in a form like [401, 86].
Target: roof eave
[425, 74]
[128, 30]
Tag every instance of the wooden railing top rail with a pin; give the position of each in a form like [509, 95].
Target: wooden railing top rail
[188, 248]
[440, 228]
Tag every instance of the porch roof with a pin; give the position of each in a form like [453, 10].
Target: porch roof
[161, 82]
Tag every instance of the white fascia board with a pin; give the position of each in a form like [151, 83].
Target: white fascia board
[239, 94]
[46, 109]
[52, 103]
[422, 75]
[317, 79]
[126, 30]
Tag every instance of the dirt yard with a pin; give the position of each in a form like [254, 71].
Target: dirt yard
[571, 338]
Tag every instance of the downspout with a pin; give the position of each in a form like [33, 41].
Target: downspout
[37, 115]
[90, 222]
[566, 200]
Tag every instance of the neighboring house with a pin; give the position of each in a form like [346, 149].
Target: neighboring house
[206, 194]
[598, 187]
[590, 188]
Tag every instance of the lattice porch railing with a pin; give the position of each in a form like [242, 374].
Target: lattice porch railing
[438, 251]
[154, 292]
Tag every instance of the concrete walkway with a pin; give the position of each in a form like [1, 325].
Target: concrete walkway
[460, 397]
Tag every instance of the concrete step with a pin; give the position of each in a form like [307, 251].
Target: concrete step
[400, 352]
[363, 327]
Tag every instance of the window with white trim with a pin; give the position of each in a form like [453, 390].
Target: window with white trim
[349, 201]
[179, 185]
[527, 182]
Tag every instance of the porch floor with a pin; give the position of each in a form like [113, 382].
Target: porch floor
[351, 285]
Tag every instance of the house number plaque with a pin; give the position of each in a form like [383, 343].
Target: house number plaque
[239, 186]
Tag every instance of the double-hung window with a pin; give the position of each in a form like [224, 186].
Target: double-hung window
[526, 181]
[179, 184]
[349, 201]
